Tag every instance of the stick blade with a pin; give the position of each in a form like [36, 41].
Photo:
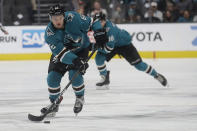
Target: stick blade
[35, 118]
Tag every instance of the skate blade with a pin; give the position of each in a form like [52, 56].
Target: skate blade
[167, 85]
[105, 87]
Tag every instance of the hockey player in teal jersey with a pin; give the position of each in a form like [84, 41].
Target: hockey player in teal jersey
[111, 41]
[66, 35]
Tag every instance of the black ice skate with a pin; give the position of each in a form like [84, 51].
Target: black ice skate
[53, 111]
[161, 79]
[104, 82]
[78, 104]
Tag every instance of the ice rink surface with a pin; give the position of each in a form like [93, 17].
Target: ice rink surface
[135, 101]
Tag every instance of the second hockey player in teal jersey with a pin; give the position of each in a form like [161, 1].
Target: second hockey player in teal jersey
[112, 40]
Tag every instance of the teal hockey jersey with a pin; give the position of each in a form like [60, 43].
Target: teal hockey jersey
[73, 35]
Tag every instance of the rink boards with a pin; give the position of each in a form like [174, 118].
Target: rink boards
[151, 40]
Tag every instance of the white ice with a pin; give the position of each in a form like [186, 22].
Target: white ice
[135, 101]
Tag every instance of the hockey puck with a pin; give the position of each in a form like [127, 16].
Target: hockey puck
[47, 122]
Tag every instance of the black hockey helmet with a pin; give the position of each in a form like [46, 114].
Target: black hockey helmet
[56, 10]
[100, 16]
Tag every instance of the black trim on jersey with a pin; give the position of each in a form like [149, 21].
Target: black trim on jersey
[150, 68]
[101, 68]
[107, 48]
[78, 89]
[54, 90]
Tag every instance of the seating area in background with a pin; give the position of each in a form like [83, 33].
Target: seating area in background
[35, 12]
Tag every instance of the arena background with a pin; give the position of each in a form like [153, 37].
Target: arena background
[160, 28]
[164, 31]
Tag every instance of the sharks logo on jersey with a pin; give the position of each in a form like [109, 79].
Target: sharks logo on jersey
[49, 32]
[71, 42]
[68, 38]
[69, 17]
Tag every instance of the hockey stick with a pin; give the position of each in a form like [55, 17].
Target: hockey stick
[42, 116]
[3, 29]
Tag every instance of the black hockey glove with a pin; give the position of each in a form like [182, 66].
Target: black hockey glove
[101, 38]
[81, 65]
